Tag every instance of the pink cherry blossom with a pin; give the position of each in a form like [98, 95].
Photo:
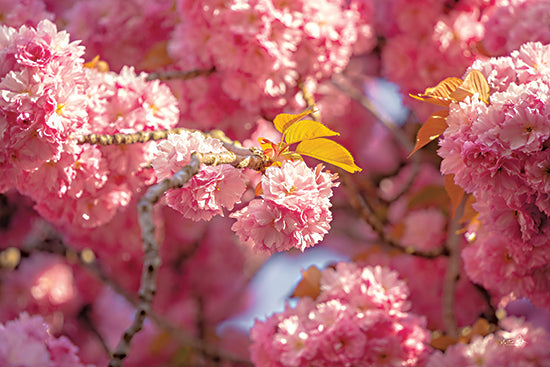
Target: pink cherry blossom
[212, 189]
[26, 341]
[509, 24]
[24, 12]
[371, 288]
[518, 343]
[208, 191]
[48, 99]
[531, 62]
[497, 153]
[294, 210]
[122, 33]
[31, 95]
[427, 41]
[126, 102]
[261, 48]
[335, 330]
[44, 284]
[174, 153]
[294, 186]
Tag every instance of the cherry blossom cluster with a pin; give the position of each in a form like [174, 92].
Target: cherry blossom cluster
[417, 220]
[360, 318]
[254, 59]
[427, 41]
[517, 343]
[213, 188]
[262, 47]
[42, 82]
[124, 33]
[300, 33]
[293, 211]
[498, 152]
[261, 51]
[509, 24]
[75, 303]
[47, 99]
[26, 341]
[24, 12]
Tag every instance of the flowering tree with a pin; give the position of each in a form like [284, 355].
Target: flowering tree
[155, 154]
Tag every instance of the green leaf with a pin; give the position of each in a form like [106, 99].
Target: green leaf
[328, 151]
[284, 120]
[306, 130]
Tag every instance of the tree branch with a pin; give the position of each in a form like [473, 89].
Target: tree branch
[452, 274]
[119, 138]
[343, 83]
[151, 261]
[53, 244]
[368, 215]
[254, 160]
[179, 74]
[145, 136]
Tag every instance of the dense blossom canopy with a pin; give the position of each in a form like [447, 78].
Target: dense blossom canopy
[360, 318]
[498, 152]
[117, 243]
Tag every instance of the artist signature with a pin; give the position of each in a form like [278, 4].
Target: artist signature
[516, 341]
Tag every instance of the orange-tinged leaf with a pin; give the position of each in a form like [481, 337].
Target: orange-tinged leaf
[156, 57]
[455, 192]
[442, 342]
[283, 120]
[398, 230]
[432, 195]
[96, 63]
[372, 249]
[92, 63]
[264, 142]
[160, 342]
[481, 327]
[460, 94]
[441, 93]
[259, 189]
[470, 213]
[474, 82]
[328, 151]
[432, 128]
[444, 88]
[310, 285]
[306, 130]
